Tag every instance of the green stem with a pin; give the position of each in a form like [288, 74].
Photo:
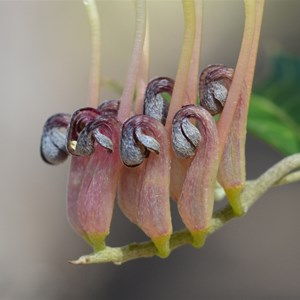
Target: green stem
[290, 178]
[94, 20]
[251, 193]
[274, 176]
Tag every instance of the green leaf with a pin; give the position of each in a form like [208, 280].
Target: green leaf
[272, 124]
[274, 113]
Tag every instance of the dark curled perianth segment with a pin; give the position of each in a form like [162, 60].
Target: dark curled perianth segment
[91, 133]
[155, 105]
[84, 128]
[109, 107]
[185, 136]
[214, 84]
[79, 120]
[53, 142]
[135, 144]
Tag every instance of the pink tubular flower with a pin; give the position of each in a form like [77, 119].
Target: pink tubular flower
[196, 201]
[93, 179]
[144, 192]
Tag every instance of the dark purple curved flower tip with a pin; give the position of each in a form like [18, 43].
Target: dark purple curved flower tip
[155, 105]
[53, 142]
[214, 84]
[79, 120]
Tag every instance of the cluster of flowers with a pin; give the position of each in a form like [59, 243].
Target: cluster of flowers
[142, 164]
[171, 150]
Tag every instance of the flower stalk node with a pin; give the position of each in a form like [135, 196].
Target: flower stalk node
[234, 198]
[199, 238]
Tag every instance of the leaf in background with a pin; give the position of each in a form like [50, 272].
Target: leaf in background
[274, 114]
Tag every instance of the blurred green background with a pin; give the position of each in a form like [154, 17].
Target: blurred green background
[44, 59]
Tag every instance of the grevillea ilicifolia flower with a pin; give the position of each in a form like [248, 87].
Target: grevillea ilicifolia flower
[144, 191]
[195, 203]
[214, 85]
[213, 89]
[144, 188]
[94, 172]
[90, 209]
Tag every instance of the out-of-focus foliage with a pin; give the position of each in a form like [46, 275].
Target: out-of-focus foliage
[274, 114]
